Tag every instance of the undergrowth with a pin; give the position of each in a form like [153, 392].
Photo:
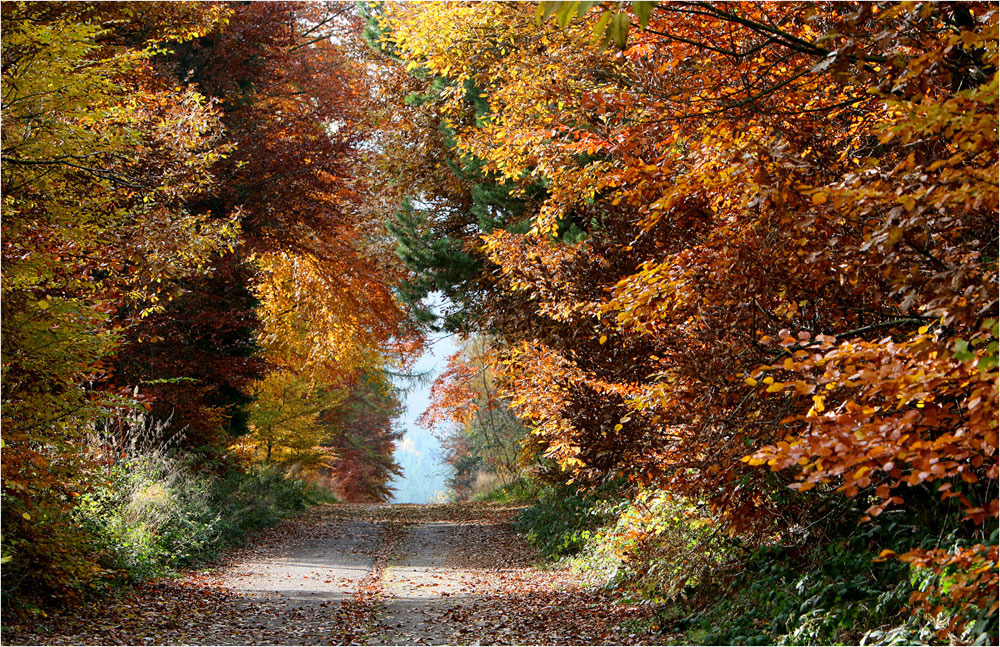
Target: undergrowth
[563, 518]
[706, 588]
[520, 490]
[150, 510]
[155, 516]
[829, 592]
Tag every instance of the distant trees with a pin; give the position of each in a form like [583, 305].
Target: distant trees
[480, 434]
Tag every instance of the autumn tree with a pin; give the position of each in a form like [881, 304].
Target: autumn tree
[480, 433]
[361, 434]
[99, 162]
[285, 94]
[787, 248]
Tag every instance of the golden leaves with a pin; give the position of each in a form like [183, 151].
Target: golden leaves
[733, 216]
[314, 324]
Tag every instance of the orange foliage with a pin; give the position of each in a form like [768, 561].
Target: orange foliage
[741, 172]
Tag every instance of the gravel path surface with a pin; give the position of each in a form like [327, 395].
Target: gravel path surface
[353, 574]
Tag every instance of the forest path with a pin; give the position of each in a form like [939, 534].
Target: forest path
[356, 574]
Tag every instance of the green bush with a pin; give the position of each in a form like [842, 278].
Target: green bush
[656, 548]
[150, 509]
[562, 520]
[829, 592]
[156, 514]
[520, 490]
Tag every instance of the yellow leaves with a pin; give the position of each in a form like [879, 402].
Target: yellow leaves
[315, 324]
[818, 405]
[284, 419]
[751, 381]
[895, 233]
[603, 339]
[819, 198]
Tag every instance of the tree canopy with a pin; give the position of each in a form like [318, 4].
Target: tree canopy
[760, 266]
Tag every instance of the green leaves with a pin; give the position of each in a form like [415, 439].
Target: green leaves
[619, 29]
[601, 27]
[612, 26]
[643, 9]
[964, 351]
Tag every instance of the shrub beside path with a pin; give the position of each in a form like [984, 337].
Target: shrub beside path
[356, 574]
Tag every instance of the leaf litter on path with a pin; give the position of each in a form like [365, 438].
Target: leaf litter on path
[357, 574]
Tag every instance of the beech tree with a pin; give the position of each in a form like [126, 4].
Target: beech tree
[787, 250]
[286, 99]
[99, 160]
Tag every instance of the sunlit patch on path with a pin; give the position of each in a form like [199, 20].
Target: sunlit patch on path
[353, 574]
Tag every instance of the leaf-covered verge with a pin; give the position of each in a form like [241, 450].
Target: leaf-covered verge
[824, 585]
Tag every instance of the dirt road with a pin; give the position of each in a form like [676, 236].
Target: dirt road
[350, 574]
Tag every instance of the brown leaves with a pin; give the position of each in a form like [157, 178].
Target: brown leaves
[790, 221]
[288, 588]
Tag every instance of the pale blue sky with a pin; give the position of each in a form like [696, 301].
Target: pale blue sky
[419, 452]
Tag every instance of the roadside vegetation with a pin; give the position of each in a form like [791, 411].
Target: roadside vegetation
[821, 585]
[151, 511]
